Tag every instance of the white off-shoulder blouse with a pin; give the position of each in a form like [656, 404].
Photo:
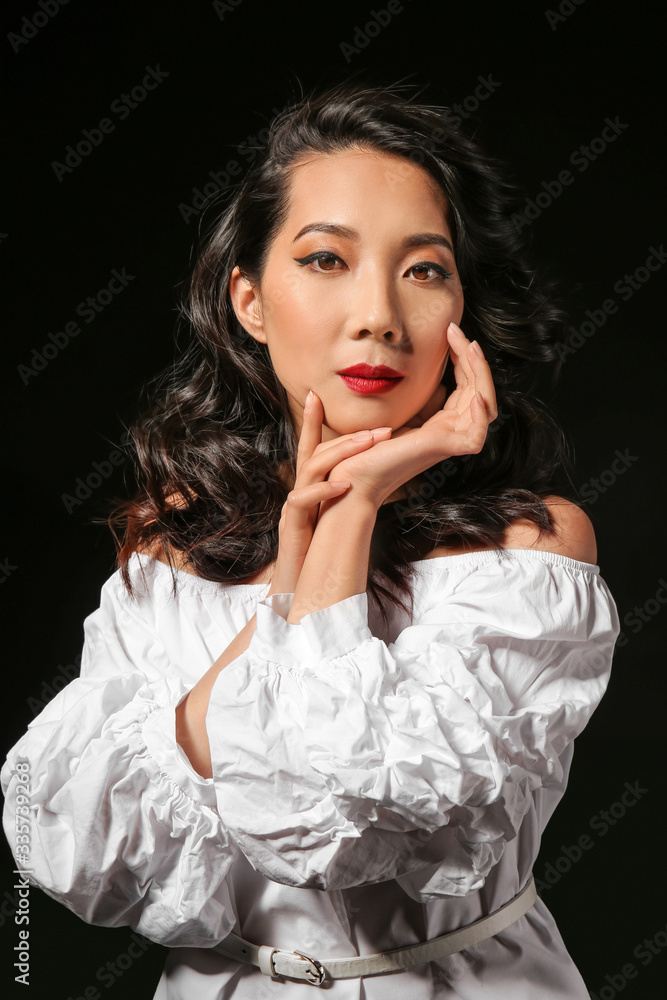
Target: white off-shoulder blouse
[373, 786]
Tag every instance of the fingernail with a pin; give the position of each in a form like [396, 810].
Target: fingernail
[477, 348]
[455, 328]
[362, 436]
[382, 429]
[309, 400]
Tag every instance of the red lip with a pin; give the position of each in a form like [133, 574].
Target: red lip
[370, 371]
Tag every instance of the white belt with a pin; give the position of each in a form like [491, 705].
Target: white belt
[274, 962]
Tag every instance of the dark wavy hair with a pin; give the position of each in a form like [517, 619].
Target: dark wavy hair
[215, 453]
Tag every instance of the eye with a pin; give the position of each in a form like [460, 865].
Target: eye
[327, 262]
[430, 265]
[322, 256]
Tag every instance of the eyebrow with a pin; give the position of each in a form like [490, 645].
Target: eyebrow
[416, 240]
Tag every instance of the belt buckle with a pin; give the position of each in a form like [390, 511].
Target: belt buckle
[316, 971]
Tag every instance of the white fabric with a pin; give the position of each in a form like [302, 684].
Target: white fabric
[373, 786]
[294, 965]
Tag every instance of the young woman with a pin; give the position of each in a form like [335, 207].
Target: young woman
[328, 702]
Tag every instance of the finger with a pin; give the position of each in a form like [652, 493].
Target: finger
[297, 523]
[459, 345]
[324, 459]
[478, 410]
[311, 429]
[305, 497]
[300, 510]
[483, 379]
[477, 433]
[473, 371]
[376, 432]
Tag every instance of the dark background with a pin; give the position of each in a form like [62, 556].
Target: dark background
[560, 77]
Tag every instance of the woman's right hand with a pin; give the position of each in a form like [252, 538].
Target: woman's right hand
[314, 460]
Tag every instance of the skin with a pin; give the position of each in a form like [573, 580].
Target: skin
[377, 302]
[374, 301]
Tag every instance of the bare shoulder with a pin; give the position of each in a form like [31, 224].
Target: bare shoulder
[156, 550]
[573, 534]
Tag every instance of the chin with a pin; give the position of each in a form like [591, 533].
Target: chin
[349, 417]
[329, 431]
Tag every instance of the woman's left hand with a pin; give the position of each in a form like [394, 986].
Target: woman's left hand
[458, 428]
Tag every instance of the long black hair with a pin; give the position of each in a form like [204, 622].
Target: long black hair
[212, 449]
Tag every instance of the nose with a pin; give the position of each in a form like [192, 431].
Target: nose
[374, 308]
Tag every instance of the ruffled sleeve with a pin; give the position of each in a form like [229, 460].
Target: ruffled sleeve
[122, 830]
[340, 760]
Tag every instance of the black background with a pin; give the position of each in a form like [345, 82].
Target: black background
[119, 208]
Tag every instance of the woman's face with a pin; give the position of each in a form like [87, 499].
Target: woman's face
[361, 272]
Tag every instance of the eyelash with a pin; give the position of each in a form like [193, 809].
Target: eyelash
[442, 273]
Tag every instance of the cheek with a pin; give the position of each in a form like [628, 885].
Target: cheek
[434, 348]
[297, 342]
[430, 315]
[301, 318]
[287, 318]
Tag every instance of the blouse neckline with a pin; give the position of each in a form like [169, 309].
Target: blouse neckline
[480, 557]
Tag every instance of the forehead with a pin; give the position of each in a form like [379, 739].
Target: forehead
[366, 185]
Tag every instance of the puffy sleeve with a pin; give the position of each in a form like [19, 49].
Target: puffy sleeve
[120, 828]
[340, 760]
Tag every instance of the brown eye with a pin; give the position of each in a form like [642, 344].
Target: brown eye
[425, 267]
[321, 258]
[326, 259]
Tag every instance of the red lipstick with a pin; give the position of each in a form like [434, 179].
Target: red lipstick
[370, 379]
